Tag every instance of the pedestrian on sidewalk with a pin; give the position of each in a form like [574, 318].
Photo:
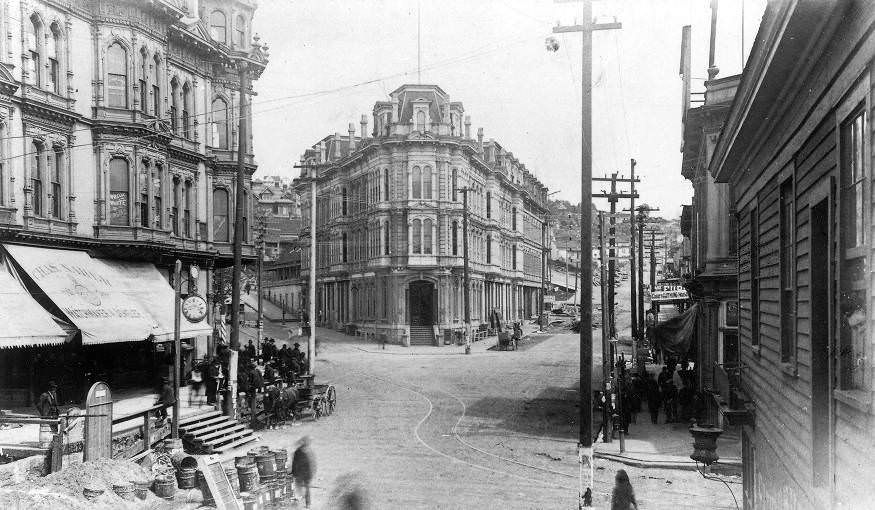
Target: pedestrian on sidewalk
[623, 496]
[304, 468]
[654, 398]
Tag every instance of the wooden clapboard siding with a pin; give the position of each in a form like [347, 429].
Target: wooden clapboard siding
[803, 139]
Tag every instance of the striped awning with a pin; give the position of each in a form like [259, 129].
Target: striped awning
[23, 322]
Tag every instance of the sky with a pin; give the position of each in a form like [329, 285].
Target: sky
[331, 60]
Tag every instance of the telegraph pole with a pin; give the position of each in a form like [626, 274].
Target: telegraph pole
[542, 318]
[584, 449]
[242, 137]
[466, 291]
[632, 269]
[606, 346]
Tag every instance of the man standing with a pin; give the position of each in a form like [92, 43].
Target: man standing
[48, 404]
[304, 468]
[167, 398]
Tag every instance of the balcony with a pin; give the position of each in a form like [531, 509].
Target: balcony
[731, 400]
[135, 233]
[228, 155]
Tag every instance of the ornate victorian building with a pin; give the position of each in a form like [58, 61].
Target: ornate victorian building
[389, 215]
[118, 138]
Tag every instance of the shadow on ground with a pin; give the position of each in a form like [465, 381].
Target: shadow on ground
[554, 413]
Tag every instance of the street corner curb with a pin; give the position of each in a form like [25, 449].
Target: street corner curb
[728, 467]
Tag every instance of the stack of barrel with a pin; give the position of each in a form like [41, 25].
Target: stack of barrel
[281, 488]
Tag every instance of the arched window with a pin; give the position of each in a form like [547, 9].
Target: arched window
[240, 29]
[420, 121]
[416, 182]
[156, 88]
[489, 249]
[54, 46]
[144, 88]
[386, 238]
[488, 204]
[455, 183]
[157, 211]
[117, 76]
[187, 130]
[119, 179]
[34, 47]
[426, 237]
[344, 247]
[36, 177]
[220, 215]
[513, 254]
[386, 184]
[220, 123]
[455, 242]
[174, 105]
[144, 194]
[55, 162]
[426, 183]
[513, 218]
[174, 210]
[186, 213]
[218, 27]
[345, 199]
[416, 234]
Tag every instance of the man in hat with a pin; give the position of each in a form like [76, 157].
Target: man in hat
[166, 397]
[304, 468]
[48, 404]
[297, 354]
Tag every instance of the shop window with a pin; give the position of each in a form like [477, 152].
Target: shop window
[118, 192]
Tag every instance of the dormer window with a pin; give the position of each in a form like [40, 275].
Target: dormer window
[420, 121]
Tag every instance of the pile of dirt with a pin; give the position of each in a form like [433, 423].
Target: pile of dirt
[63, 490]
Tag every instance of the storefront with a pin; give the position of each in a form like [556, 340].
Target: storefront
[121, 314]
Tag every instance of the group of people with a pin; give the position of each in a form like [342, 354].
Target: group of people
[673, 392]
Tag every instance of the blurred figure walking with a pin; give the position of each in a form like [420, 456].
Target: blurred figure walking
[623, 496]
[304, 468]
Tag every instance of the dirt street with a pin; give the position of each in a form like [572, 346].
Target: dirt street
[489, 430]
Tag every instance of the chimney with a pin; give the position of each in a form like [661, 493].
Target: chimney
[351, 131]
[394, 110]
[364, 124]
[322, 154]
[480, 138]
[337, 153]
[468, 127]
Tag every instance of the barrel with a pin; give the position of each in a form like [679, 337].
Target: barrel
[247, 476]
[281, 457]
[141, 488]
[183, 460]
[165, 487]
[45, 435]
[125, 490]
[250, 501]
[266, 464]
[231, 473]
[186, 477]
[205, 489]
[244, 460]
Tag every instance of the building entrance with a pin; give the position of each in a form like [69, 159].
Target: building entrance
[421, 304]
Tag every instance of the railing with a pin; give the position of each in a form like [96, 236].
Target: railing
[144, 426]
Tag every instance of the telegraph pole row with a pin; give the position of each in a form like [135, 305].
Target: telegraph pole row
[641, 210]
[584, 448]
[613, 197]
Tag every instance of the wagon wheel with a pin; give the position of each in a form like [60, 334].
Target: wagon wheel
[331, 398]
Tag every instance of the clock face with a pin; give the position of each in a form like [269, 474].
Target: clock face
[194, 308]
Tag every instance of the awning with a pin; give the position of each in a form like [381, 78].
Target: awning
[87, 292]
[675, 335]
[153, 293]
[24, 322]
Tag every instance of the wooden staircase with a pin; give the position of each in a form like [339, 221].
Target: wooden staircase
[421, 335]
[213, 432]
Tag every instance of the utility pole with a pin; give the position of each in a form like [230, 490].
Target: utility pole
[584, 448]
[177, 349]
[542, 318]
[612, 197]
[606, 346]
[259, 268]
[242, 138]
[466, 291]
[312, 170]
[632, 269]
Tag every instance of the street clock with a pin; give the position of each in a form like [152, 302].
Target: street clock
[194, 308]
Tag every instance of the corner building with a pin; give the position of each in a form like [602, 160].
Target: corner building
[389, 226]
[118, 134]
